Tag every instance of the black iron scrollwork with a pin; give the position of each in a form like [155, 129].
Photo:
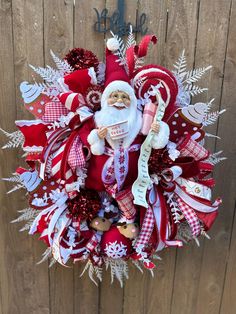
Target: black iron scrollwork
[116, 21]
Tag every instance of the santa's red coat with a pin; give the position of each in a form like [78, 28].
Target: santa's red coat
[97, 162]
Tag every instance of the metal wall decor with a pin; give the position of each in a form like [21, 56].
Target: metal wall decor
[116, 23]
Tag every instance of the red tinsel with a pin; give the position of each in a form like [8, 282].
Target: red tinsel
[158, 161]
[85, 205]
[80, 58]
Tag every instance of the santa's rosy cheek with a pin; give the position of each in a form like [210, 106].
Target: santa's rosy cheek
[111, 101]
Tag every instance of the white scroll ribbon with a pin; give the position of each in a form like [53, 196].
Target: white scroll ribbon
[140, 186]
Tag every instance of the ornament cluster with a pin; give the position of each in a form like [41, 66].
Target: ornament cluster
[116, 165]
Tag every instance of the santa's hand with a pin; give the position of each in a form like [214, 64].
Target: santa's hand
[102, 132]
[155, 127]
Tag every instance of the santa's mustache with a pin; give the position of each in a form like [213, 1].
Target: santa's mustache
[118, 105]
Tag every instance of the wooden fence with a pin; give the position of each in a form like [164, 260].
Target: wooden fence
[189, 280]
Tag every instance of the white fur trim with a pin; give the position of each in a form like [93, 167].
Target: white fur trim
[22, 123]
[119, 85]
[93, 137]
[97, 144]
[98, 148]
[161, 138]
[112, 44]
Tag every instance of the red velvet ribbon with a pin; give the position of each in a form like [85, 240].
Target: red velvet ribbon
[139, 51]
[143, 46]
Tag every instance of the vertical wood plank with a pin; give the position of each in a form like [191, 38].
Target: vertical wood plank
[156, 11]
[181, 30]
[210, 38]
[227, 128]
[20, 253]
[144, 294]
[28, 29]
[58, 36]
[210, 50]
[58, 27]
[8, 236]
[86, 293]
[214, 259]
[85, 18]
[180, 34]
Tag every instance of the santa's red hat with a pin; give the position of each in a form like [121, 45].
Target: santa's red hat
[116, 77]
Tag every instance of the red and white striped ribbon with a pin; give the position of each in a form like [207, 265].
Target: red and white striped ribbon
[71, 101]
[190, 216]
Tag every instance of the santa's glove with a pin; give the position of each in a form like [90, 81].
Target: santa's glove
[160, 139]
[97, 144]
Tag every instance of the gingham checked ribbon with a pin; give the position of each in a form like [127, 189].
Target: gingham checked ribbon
[125, 201]
[53, 111]
[190, 216]
[191, 148]
[116, 167]
[76, 156]
[147, 228]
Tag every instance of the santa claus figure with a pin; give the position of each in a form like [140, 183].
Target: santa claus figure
[115, 139]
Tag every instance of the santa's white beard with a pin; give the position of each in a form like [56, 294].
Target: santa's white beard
[109, 115]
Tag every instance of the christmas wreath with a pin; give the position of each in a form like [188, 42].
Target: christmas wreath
[116, 167]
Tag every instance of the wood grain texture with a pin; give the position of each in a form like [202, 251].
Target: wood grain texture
[58, 27]
[189, 280]
[181, 34]
[210, 50]
[28, 29]
[187, 284]
[215, 255]
[8, 237]
[157, 15]
[84, 34]
[58, 36]
[228, 99]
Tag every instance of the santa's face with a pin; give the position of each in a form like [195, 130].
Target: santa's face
[119, 100]
[119, 107]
